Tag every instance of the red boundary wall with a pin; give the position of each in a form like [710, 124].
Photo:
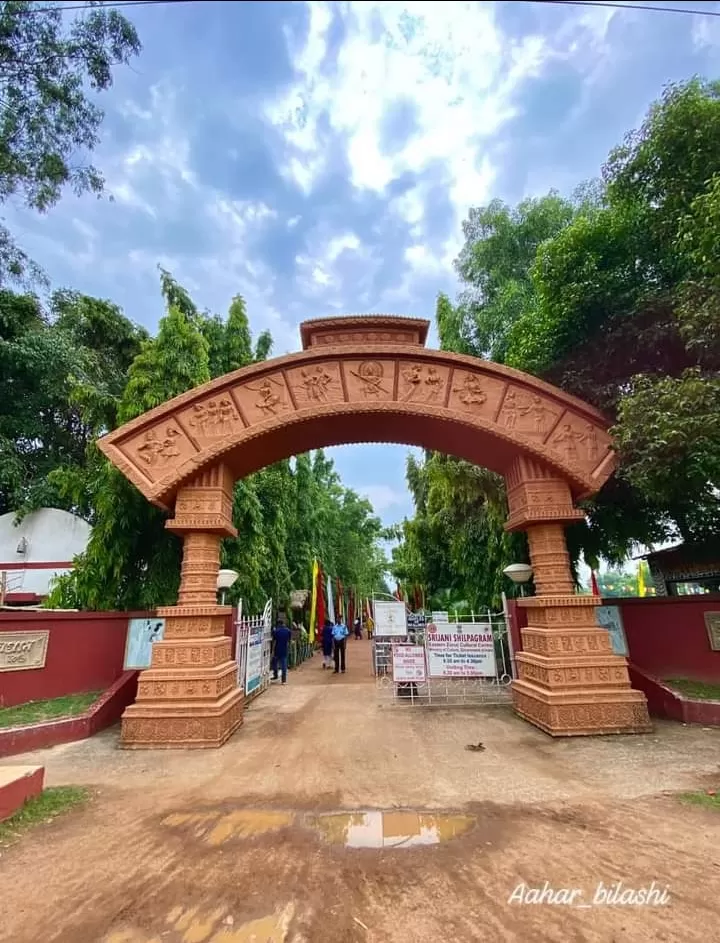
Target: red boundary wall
[667, 638]
[85, 652]
[25, 784]
[107, 710]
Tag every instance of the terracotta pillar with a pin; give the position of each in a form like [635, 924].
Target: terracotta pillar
[569, 681]
[189, 695]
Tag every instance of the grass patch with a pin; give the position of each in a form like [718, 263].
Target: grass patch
[700, 690]
[35, 712]
[43, 808]
[703, 799]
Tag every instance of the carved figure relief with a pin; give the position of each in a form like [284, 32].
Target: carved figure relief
[370, 373]
[159, 449]
[566, 441]
[421, 384]
[269, 400]
[527, 413]
[214, 419]
[471, 392]
[316, 384]
[538, 412]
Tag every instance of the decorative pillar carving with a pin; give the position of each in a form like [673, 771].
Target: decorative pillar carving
[189, 698]
[570, 682]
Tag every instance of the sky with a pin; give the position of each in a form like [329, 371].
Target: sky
[320, 158]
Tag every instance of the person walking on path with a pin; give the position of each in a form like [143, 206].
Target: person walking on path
[358, 628]
[327, 644]
[281, 644]
[340, 634]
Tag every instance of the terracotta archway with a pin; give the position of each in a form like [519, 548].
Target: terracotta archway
[370, 379]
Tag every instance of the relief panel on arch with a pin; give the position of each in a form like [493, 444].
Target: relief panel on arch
[157, 450]
[476, 395]
[370, 381]
[422, 383]
[316, 385]
[528, 414]
[579, 443]
[212, 419]
[264, 398]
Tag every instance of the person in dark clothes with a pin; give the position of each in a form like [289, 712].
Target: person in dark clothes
[358, 628]
[281, 645]
[327, 644]
[340, 634]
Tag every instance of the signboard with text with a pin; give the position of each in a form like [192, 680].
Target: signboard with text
[390, 619]
[254, 664]
[441, 616]
[408, 663]
[460, 650]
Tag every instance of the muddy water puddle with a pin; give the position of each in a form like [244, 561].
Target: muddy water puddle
[360, 829]
[396, 829]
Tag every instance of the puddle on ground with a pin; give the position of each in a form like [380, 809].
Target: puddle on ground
[215, 828]
[391, 829]
[372, 829]
[191, 925]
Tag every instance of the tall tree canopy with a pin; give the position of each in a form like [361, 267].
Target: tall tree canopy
[613, 296]
[81, 369]
[50, 66]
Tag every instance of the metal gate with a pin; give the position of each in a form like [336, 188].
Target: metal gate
[445, 692]
[253, 651]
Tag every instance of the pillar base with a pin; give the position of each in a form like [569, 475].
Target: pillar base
[182, 725]
[583, 712]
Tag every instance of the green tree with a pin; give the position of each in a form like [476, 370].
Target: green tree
[613, 297]
[62, 372]
[49, 65]
[132, 561]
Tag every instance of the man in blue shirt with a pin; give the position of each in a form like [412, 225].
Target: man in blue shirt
[340, 634]
[281, 644]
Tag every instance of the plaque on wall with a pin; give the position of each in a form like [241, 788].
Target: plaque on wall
[22, 651]
[610, 618]
[712, 624]
[140, 636]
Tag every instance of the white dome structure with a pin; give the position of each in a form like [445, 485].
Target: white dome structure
[37, 550]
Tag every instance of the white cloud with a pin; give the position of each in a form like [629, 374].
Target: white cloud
[383, 497]
[450, 61]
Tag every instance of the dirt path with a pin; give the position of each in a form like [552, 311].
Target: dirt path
[226, 847]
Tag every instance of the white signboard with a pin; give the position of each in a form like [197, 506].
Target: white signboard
[390, 619]
[408, 663]
[610, 618]
[254, 665]
[138, 645]
[460, 650]
[441, 616]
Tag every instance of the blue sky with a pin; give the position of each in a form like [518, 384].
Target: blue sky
[319, 158]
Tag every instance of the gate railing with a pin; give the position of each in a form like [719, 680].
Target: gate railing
[448, 691]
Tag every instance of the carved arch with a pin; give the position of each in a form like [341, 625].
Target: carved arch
[356, 382]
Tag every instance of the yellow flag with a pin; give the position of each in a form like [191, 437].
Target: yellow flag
[641, 579]
[313, 604]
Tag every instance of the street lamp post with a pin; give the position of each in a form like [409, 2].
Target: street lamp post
[225, 579]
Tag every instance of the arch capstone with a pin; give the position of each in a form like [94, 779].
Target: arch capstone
[372, 379]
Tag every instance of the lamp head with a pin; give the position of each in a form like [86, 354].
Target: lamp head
[226, 578]
[518, 572]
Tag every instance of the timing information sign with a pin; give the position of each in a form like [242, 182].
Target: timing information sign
[408, 663]
[460, 650]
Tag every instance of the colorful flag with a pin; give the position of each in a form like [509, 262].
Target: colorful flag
[313, 605]
[594, 588]
[320, 601]
[642, 589]
[330, 603]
